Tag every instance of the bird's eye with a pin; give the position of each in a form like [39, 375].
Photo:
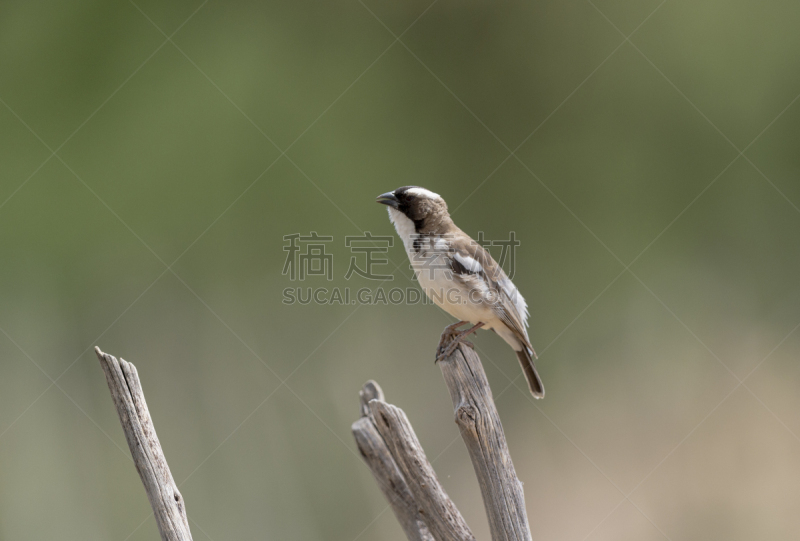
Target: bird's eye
[411, 197]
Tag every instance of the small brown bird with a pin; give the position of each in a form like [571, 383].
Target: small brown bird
[460, 276]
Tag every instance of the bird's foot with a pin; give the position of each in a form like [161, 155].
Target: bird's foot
[451, 338]
[448, 335]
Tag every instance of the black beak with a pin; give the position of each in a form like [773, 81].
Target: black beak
[389, 199]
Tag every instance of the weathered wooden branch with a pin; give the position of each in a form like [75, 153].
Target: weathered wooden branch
[438, 511]
[391, 449]
[476, 416]
[385, 470]
[165, 498]
[393, 453]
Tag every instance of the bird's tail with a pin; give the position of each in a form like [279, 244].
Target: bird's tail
[529, 369]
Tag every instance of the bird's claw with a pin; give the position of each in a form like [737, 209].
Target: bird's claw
[451, 347]
[450, 340]
[449, 337]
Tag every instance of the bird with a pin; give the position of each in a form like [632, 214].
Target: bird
[460, 276]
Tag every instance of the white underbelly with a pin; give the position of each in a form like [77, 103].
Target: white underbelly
[454, 298]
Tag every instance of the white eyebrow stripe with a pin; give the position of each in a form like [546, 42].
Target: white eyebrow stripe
[469, 263]
[422, 192]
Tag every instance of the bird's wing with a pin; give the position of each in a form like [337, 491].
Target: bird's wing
[471, 261]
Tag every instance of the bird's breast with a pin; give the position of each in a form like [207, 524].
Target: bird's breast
[458, 297]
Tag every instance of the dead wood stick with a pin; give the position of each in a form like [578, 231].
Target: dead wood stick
[438, 511]
[385, 470]
[476, 416]
[165, 499]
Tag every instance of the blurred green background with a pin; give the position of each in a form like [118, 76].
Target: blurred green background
[146, 185]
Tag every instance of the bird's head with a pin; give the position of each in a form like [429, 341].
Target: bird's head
[427, 210]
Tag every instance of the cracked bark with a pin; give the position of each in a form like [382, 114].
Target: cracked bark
[165, 498]
[390, 448]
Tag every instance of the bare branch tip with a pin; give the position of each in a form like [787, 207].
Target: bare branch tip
[369, 391]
